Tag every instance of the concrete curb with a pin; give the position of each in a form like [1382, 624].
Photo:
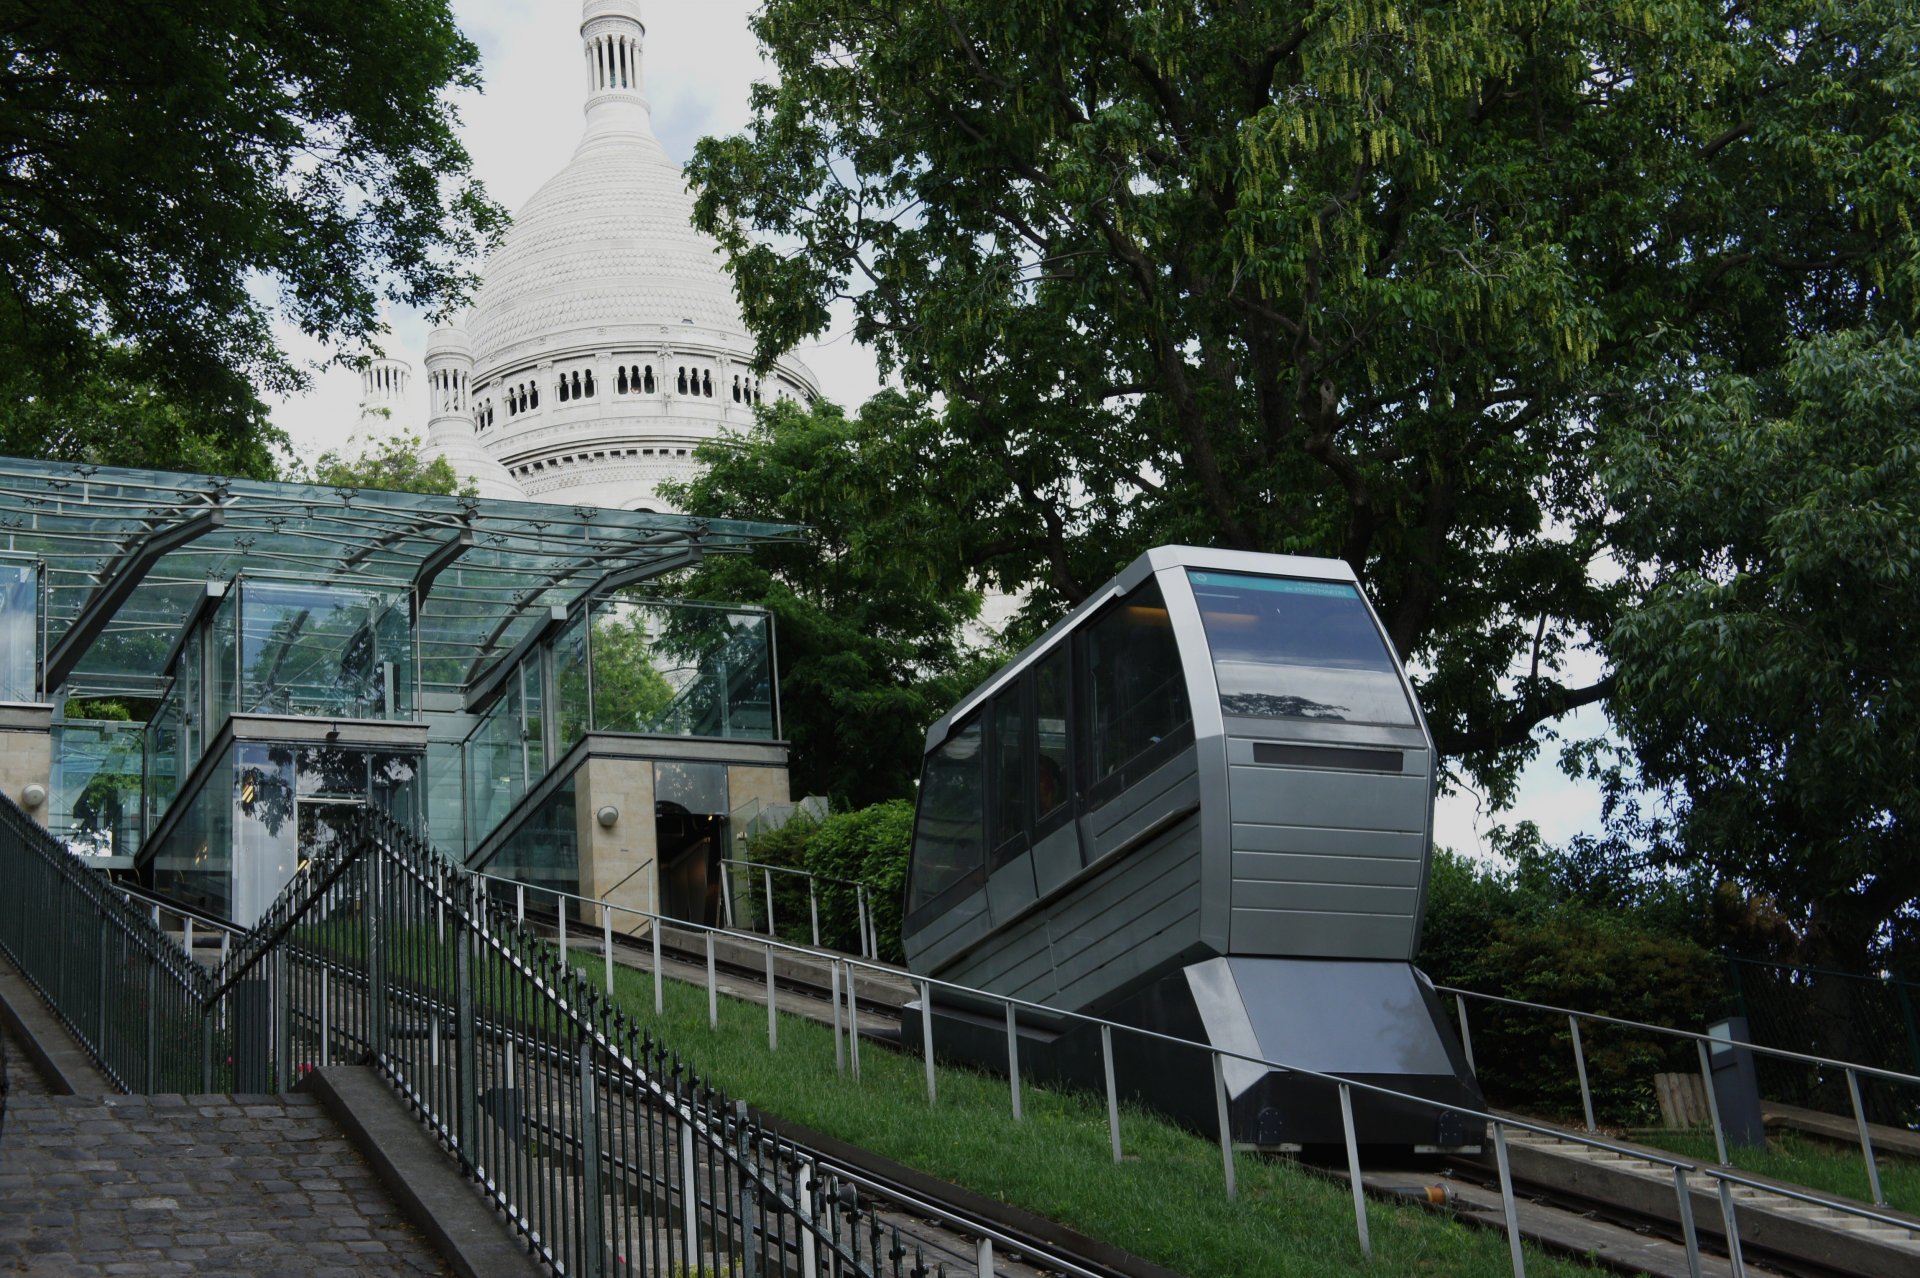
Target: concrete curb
[65, 1068]
[422, 1178]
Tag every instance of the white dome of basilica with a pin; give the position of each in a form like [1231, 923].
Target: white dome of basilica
[604, 344]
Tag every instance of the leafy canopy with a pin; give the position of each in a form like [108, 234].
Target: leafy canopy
[1769, 685]
[174, 177]
[870, 611]
[394, 463]
[1351, 277]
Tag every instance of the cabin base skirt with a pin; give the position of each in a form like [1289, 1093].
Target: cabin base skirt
[1371, 1022]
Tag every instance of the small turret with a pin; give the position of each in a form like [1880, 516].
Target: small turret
[450, 424]
[383, 392]
[613, 39]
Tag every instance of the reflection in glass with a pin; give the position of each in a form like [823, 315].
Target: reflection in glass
[544, 853]
[323, 650]
[1290, 649]
[682, 670]
[1051, 691]
[19, 631]
[1138, 692]
[947, 842]
[570, 683]
[95, 805]
[1009, 770]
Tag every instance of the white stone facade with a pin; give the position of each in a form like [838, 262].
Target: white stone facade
[604, 344]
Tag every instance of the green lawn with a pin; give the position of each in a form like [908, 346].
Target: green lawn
[1801, 1160]
[1166, 1202]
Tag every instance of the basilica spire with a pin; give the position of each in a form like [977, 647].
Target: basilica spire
[613, 38]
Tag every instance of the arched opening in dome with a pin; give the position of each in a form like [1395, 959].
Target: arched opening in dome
[706, 380]
[683, 379]
[649, 384]
[589, 383]
[563, 388]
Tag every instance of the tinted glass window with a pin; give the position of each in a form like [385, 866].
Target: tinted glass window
[1009, 769]
[1136, 692]
[1290, 649]
[1051, 690]
[947, 842]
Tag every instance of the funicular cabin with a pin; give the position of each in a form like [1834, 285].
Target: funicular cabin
[202, 680]
[1202, 804]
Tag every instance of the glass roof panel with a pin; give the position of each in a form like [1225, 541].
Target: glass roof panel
[89, 522]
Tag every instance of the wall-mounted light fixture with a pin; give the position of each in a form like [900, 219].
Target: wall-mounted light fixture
[607, 816]
[36, 794]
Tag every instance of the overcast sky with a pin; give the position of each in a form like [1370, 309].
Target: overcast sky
[701, 60]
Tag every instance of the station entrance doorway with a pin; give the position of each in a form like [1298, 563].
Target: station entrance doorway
[690, 832]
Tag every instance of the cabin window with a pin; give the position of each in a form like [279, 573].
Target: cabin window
[1289, 649]
[1051, 692]
[1137, 693]
[947, 836]
[1008, 831]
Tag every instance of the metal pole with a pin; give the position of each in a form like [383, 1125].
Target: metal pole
[1466, 1035]
[560, 903]
[593, 1244]
[809, 1248]
[520, 903]
[1866, 1139]
[983, 1258]
[1688, 1234]
[1580, 1063]
[1507, 1202]
[713, 992]
[326, 1017]
[1713, 1102]
[767, 876]
[1353, 1171]
[1013, 1059]
[860, 899]
[659, 998]
[726, 894]
[689, 1191]
[1113, 1094]
[853, 1022]
[1735, 1261]
[1226, 1131]
[839, 1048]
[606, 943]
[926, 1037]
[813, 910]
[773, 1018]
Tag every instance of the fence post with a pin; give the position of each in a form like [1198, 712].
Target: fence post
[773, 1016]
[689, 1191]
[659, 998]
[726, 894]
[1866, 1139]
[767, 875]
[813, 910]
[839, 1048]
[1013, 1057]
[593, 1245]
[1226, 1129]
[1713, 1102]
[1688, 1234]
[1353, 1171]
[860, 900]
[1736, 1262]
[606, 943]
[278, 972]
[100, 1007]
[713, 992]
[1580, 1063]
[1507, 1203]
[983, 1258]
[1113, 1094]
[376, 957]
[926, 1036]
[853, 1022]
[153, 1024]
[466, 1130]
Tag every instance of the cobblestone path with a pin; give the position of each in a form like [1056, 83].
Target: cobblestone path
[205, 1185]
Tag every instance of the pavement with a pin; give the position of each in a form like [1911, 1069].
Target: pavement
[248, 1186]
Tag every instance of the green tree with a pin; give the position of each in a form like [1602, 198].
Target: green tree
[871, 608]
[1769, 685]
[629, 695]
[1346, 277]
[175, 177]
[393, 463]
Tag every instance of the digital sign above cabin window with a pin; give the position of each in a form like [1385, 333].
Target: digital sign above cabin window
[1290, 649]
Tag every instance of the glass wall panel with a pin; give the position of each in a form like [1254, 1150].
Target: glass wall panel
[1137, 693]
[223, 659]
[497, 774]
[699, 788]
[195, 866]
[1290, 649]
[544, 853]
[323, 651]
[947, 842]
[445, 793]
[95, 806]
[189, 678]
[682, 670]
[19, 631]
[165, 748]
[573, 714]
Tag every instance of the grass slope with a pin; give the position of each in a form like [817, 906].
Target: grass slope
[1166, 1202]
[1801, 1160]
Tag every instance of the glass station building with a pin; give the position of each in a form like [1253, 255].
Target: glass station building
[489, 672]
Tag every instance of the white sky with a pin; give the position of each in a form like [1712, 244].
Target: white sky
[701, 60]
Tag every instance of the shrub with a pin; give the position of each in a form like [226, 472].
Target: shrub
[867, 846]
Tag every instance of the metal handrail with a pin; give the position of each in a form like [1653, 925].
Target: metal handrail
[868, 925]
[1704, 1043]
[1680, 1168]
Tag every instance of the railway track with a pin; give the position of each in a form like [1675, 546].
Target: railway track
[1575, 1216]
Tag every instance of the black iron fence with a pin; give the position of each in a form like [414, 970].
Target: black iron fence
[1874, 1020]
[603, 1149]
